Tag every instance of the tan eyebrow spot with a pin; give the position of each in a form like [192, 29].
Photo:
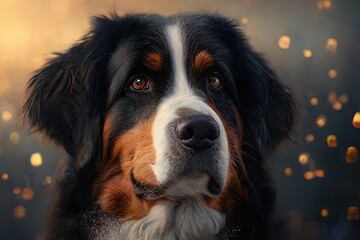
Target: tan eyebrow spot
[153, 61]
[202, 61]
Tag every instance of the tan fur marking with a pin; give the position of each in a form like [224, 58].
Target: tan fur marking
[133, 150]
[202, 61]
[153, 61]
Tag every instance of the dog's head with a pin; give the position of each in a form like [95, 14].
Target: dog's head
[159, 109]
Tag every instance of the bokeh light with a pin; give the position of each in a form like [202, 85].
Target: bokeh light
[324, 212]
[356, 120]
[314, 101]
[319, 173]
[307, 53]
[20, 211]
[321, 121]
[331, 141]
[6, 116]
[27, 193]
[288, 171]
[353, 213]
[284, 42]
[5, 176]
[304, 158]
[351, 154]
[36, 160]
[309, 138]
[14, 137]
[309, 175]
[331, 45]
[332, 73]
[245, 21]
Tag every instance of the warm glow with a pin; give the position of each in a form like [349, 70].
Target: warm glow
[356, 120]
[319, 173]
[14, 137]
[17, 191]
[331, 45]
[284, 42]
[337, 106]
[351, 154]
[309, 175]
[321, 121]
[314, 101]
[331, 141]
[303, 158]
[327, 4]
[47, 180]
[344, 98]
[332, 73]
[307, 53]
[5, 176]
[353, 213]
[332, 97]
[288, 171]
[27, 193]
[36, 160]
[309, 138]
[6, 116]
[244, 20]
[19, 211]
[324, 212]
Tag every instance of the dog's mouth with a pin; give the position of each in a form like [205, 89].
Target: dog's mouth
[194, 185]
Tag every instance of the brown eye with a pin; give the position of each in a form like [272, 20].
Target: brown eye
[215, 81]
[140, 83]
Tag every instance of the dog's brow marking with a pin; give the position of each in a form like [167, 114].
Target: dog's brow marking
[177, 53]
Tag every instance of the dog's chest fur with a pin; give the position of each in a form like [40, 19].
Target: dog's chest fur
[188, 219]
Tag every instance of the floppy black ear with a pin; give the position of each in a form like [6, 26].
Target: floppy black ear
[267, 106]
[66, 99]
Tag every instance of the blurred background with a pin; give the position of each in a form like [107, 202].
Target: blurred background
[312, 44]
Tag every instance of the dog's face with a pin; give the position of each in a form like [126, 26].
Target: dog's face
[155, 109]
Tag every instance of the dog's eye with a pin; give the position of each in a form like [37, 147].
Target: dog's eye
[215, 81]
[139, 83]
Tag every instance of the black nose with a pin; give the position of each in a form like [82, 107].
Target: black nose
[197, 131]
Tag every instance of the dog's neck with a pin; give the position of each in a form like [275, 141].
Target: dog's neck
[186, 219]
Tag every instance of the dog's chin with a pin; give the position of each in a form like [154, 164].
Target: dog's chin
[192, 186]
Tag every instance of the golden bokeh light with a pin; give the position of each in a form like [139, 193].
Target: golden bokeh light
[321, 121]
[304, 158]
[19, 211]
[331, 45]
[244, 20]
[324, 212]
[332, 97]
[356, 120]
[27, 193]
[314, 101]
[344, 98]
[331, 141]
[307, 53]
[309, 138]
[337, 106]
[6, 116]
[284, 42]
[351, 154]
[288, 171]
[36, 160]
[352, 213]
[319, 173]
[14, 137]
[47, 180]
[327, 4]
[17, 190]
[5, 176]
[308, 175]
[332, 73]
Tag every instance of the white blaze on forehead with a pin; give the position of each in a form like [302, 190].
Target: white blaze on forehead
[182, 97]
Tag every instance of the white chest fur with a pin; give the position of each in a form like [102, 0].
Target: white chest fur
[189, 219]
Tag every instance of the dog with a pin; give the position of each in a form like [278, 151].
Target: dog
[167, 123]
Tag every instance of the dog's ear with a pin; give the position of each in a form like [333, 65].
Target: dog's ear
[66, 99]
[267, 106]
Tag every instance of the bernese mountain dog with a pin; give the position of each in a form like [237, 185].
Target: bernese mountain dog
[167, 123]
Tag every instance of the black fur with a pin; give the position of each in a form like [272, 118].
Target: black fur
[69, 97]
